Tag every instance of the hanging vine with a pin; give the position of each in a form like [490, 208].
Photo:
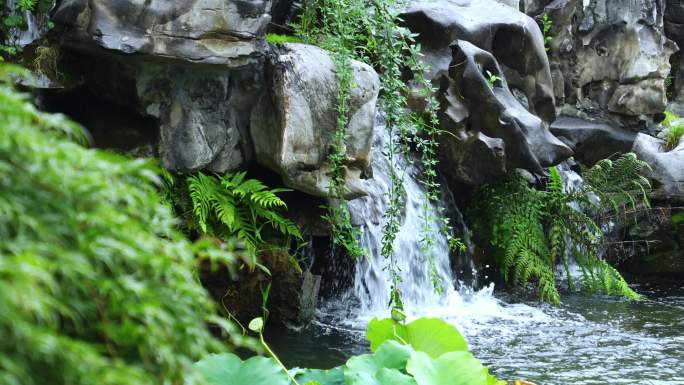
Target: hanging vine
[369, 31]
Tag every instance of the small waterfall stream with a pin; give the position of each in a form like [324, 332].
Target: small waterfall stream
[372, 281]
[587, 340]
[369, 295]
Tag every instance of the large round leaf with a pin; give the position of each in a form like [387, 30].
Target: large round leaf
[229, 369]
[454, 368]
[333, 376]
[381, 368]
[430, 335]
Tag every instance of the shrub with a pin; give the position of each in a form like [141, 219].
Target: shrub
[96, 286]
[534, 230]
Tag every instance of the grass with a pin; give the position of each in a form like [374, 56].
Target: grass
[673, 133]
[274, 38]
[673, 136]
[670, 117]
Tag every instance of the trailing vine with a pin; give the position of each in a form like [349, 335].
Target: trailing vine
[369, 31]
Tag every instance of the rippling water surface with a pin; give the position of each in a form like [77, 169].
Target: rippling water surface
[587, 340]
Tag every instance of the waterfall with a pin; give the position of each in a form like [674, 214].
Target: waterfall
[468, 308]
[34, 29]
[372, 282]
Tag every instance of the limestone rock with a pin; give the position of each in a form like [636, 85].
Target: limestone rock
[293, 123]
[207, 31]
[201, 114]
[491, 132]
[592, 141]
[613, 56]
[513, 38]
[667, 167]
[674, 29]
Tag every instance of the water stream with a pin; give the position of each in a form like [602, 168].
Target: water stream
[586, 340]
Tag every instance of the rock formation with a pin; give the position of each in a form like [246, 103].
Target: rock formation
[611, 57]
[294, 121]
[496, 90]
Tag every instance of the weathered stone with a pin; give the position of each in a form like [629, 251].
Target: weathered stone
[613, 55]
[208, 31]
[491, 132]
[513, 38]
[667, 167]
[592, 141]
[293, 124]
[674, 29]
[202, 113]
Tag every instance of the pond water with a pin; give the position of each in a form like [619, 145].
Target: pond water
[586, 340]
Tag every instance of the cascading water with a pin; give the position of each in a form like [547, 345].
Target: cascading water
[33, 31]
[588, 340]
[370, 293]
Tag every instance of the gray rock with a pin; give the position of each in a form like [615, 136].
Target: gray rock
[592, 141]
[513, 38]
[667, 167]
[490, 131]
[208, 31]
[674, 29]
[613, 55]
[201, 114]
[293, 124]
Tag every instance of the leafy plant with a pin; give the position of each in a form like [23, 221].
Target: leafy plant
[673, 135]
[274, 38]
[547, 24]
[402, 355]
[370, 31]
[534, 230]
[233, 206]
[492, 79]
[670, 117]
[96, 285]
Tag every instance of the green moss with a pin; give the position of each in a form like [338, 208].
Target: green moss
[678, 219]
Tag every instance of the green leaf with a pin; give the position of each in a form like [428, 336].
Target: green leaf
[333, 376]
[454, 368]
[229, 369]
[256, 325]
[382, 368]
[430, 335]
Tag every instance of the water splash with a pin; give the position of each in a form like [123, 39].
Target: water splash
[468, 308]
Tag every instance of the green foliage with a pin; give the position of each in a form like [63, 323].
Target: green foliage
[370, 31]
[229, 369]
[670, 117]
[429, 335]
[96, 285]
[12, 22]
[673, 135]
[492, 79]
[394, 361]
[673, 132]
[547, 24]
[233, 206]
[274, 38]
[535, 230]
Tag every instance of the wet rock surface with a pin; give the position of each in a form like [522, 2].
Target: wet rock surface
[666, 167]
[491, 131]
[611, 57]
[293, 123]
[592, 141]
[206, 31]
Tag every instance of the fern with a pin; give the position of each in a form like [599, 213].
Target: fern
[533, 229]
[233, 206]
